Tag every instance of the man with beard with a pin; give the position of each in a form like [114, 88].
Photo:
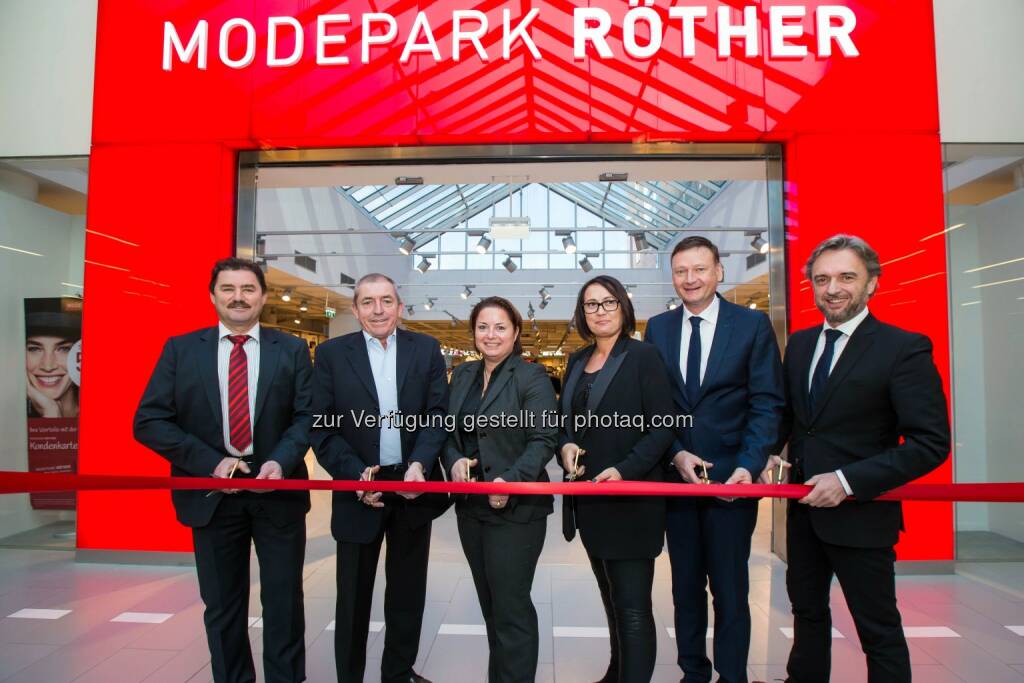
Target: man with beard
[233, 401]
[865, 413]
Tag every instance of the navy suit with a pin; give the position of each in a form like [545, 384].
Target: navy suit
[343, 388]
[736, 418]
[180, 418]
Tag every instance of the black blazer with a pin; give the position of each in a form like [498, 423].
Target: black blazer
[512, 453]
[884, 386]
[633, 383]
[737, 414]
[179, 417]
[343, 387]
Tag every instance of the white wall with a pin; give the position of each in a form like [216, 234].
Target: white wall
[980, 61]
[59, 237]
[47, 52]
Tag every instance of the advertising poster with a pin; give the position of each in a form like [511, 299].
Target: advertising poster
[53, 364]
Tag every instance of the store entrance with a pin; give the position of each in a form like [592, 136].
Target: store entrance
[451, 225]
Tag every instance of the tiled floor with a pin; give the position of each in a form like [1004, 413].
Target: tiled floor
[62, 621]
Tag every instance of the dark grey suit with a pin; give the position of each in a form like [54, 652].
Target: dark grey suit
[503, 545]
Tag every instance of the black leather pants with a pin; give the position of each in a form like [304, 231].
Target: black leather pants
[626, 593]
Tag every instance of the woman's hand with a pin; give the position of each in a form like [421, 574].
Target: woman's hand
[498, 501]
[568, 456]
[41, 403]
[460, 470]
[610, 474]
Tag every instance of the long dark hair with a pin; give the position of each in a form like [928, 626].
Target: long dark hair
[620, 294]
[513, 315]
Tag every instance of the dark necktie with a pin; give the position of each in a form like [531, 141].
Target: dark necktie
[693, 361]
[820, 377]
[239, 428]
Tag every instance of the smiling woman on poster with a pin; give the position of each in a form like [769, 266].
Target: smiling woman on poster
[51, 349]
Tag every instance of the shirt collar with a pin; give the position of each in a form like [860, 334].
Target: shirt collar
[850, 326]
[253, 331]
[370, 339]
[709, 314]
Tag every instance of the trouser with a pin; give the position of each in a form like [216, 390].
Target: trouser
[222, 565]
[626, 595]
[868, 579]
[503, 558]
[405, 570]
[709, 545]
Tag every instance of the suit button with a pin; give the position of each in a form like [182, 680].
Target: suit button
[486, 468]
[810, 432]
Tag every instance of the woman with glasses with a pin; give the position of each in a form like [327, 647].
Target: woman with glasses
[506, 419]
[616, 392]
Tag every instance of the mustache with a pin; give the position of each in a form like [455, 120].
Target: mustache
[239, 304]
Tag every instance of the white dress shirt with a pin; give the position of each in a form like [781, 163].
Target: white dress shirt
[384, 366]
[252, 355]
[708, 321]
[847, 330]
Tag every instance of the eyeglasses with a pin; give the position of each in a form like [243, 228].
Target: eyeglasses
[608, 305]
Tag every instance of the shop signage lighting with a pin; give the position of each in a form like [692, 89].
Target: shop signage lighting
[643, 28]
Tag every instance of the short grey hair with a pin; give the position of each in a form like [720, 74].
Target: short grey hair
[374, 277]
[842, 241]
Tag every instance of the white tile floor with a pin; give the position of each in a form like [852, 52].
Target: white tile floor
[62, 621]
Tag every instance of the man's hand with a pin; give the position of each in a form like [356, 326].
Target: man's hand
[610, 474]
[460, 470]
[371, 498]
[271, 469]
[769, 475]
[498, 501]
[687, 464]
[739, 476]
[224, 468]
[828, 491]
[413, 473]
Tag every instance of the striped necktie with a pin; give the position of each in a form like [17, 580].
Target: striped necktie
[239, 426]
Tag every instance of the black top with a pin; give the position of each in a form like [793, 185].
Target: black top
[582, 393]
[468, 411]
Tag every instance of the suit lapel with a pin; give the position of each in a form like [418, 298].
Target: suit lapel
[460, 389]
[208, 371]
[498, 383]
[406, 350]
[270, 353]
[803, 353]
[570, 388]
[719, 345]
[359, 359]
[675, 341]
[858, 343]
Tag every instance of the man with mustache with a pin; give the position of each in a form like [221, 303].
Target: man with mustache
[375, 373]
[865, 413]
[233, 401]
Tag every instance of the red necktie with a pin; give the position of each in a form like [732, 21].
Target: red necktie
[238, 394]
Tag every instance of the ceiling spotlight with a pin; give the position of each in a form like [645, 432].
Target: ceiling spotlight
[753, 305]
[586, 265]
[544, 303]
[303, 306]
[509, 264]
[629, 291]
[545, 295]
[429, 304]
[671, 304]
[569, 244]
[530, 312]
[467, 292]
[759, 244]
[298, 322]
[408, 246]
[286, 296]
[410, 309]
[639, 241]
[424, 265]
[483, 245]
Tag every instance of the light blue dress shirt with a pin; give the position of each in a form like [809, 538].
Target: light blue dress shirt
[384, 365]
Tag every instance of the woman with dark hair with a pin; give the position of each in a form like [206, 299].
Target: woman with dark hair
[616, 392]
[49, 339]
[506, 431]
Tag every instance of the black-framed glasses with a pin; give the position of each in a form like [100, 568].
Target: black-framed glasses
[608, 305]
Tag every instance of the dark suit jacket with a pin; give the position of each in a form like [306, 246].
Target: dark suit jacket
[511, 453]
[342, 387]
[737, 415]
[179, 417]
[884, 387]
[633, 383]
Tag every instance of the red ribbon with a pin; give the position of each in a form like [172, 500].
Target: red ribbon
[35, 482]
